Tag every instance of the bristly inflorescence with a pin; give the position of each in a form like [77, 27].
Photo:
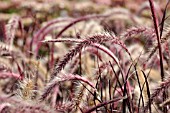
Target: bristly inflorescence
[57, 80]
[11, 29]
[99, 38]
[162, 87]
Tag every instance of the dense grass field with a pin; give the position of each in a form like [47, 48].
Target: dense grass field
[84, 56]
